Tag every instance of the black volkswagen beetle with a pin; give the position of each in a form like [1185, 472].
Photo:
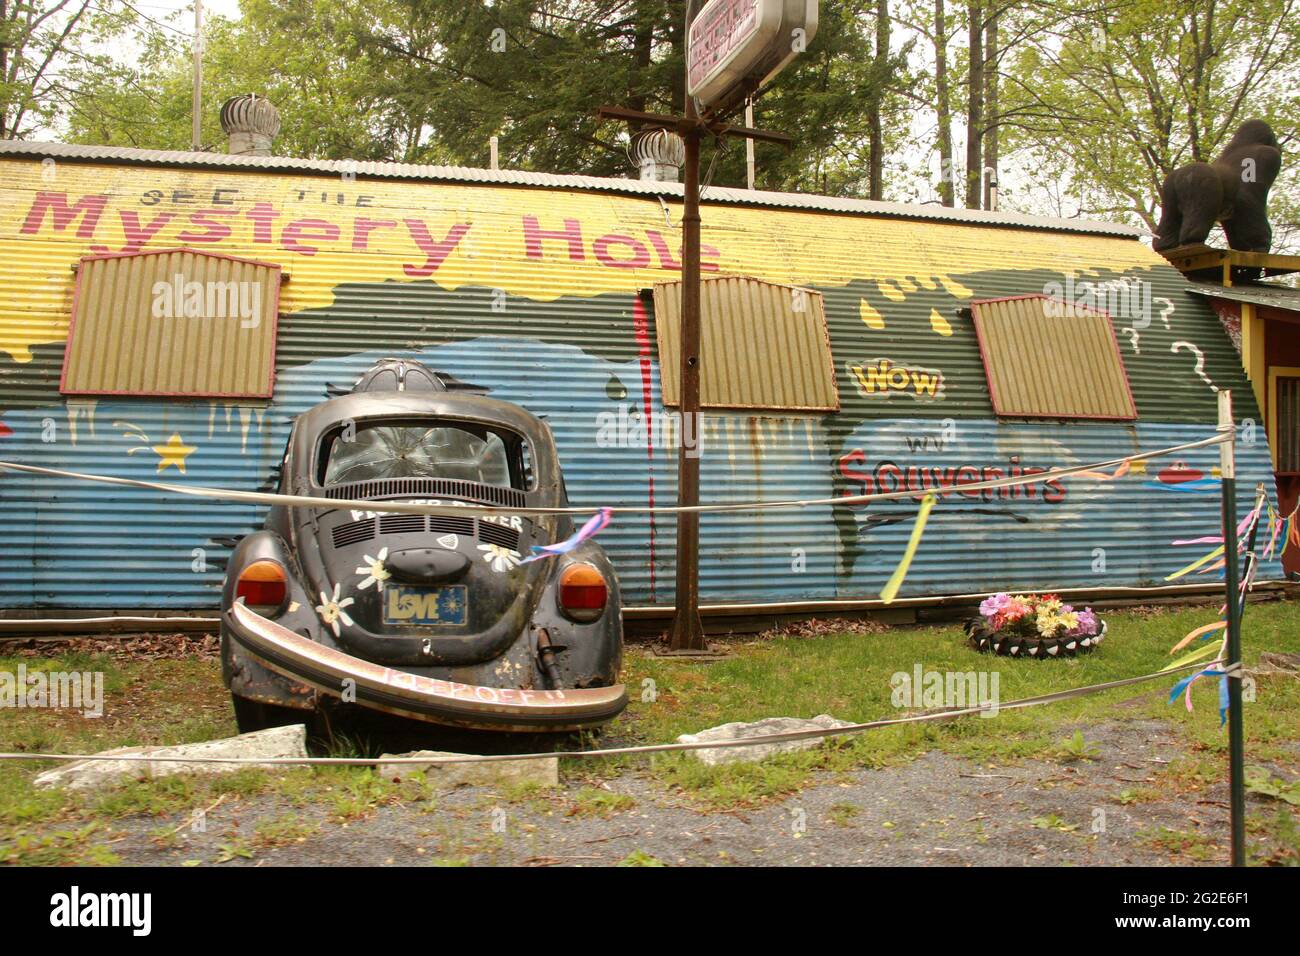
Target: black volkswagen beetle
[433, 616]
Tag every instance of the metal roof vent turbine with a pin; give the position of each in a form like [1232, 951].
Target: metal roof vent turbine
[250, 122]
[658, 154]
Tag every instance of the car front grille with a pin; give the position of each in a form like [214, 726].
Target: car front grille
[354, 532]
[428, 488]
[351, 533]
[498, 534]
[402, 524]
[448, 524]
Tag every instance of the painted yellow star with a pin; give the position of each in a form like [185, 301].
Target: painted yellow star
[173, 453]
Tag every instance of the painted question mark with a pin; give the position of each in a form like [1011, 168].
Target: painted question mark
[1166, 312]
[1133, 340]
[1200, 361]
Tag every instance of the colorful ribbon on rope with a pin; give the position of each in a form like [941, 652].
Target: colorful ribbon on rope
[595, 524]
[1184, 687]
[1245, 527]
[1196, 564]
[1286, 530]
[1119, 472]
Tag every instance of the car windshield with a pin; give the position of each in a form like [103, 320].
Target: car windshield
[423, 450]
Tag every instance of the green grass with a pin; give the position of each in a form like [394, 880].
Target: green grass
[639, 858]
[846, 675]
[1180, 843]
[1134, 795]
[843, 814]
[1053, 822]
[595, 802]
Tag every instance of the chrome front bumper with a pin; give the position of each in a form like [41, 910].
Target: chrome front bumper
[430, 699]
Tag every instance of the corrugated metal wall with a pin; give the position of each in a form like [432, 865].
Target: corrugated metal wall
[534, 293]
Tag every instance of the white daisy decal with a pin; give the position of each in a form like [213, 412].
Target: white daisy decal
[373, 571]
[331, 610]
[501, 559]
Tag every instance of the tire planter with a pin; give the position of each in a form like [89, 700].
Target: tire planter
[1009, 645]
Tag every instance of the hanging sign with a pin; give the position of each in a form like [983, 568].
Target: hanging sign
[736, 47]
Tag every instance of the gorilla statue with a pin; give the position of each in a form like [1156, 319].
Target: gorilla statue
[1233, 190]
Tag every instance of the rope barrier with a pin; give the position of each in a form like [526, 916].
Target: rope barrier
[626, 751]
[1223, 434]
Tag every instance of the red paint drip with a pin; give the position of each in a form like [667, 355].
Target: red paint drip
[642, 324]
[5, 430]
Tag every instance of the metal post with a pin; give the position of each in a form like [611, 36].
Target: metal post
[1236, 737]
[493, 158]
[688, 632]
[196, 133]
[749, 143]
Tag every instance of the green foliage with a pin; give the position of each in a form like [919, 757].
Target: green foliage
[1260, 781]
[1076, 748]
[430, 81]
[639, 858]
[1103, 104]
[1053, 822]
[1184, 843]
[593, 801]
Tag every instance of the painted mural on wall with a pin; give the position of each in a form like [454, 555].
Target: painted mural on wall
[534, 293]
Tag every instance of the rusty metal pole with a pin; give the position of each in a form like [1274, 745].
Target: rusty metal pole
[688, 632]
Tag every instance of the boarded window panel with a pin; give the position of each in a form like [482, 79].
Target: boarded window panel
[135, 332]
[1288, 424]
[762, 346]
[1047, 359]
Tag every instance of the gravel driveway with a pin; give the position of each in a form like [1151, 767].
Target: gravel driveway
[936, 810]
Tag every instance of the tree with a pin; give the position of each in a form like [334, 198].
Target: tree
[942, 105]
[336, 101]
[1105, 100]
[37, 38]
[974, 104]
[880, 80]
[432, 80]
[990, 130]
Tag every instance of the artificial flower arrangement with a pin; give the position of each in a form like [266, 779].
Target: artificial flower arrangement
[1034, 625]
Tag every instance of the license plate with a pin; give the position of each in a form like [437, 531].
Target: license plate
[443, 606]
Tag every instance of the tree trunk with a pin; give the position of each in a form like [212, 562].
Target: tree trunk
[975, 107]
[991, 111]
[943, 108]
[642, 48]
[875, 123]
[677, 43]
[4, 67]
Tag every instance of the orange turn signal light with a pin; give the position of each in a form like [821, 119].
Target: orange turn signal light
[583, 592]
[263, 585]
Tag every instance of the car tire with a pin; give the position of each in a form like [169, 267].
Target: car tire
[253, 715]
